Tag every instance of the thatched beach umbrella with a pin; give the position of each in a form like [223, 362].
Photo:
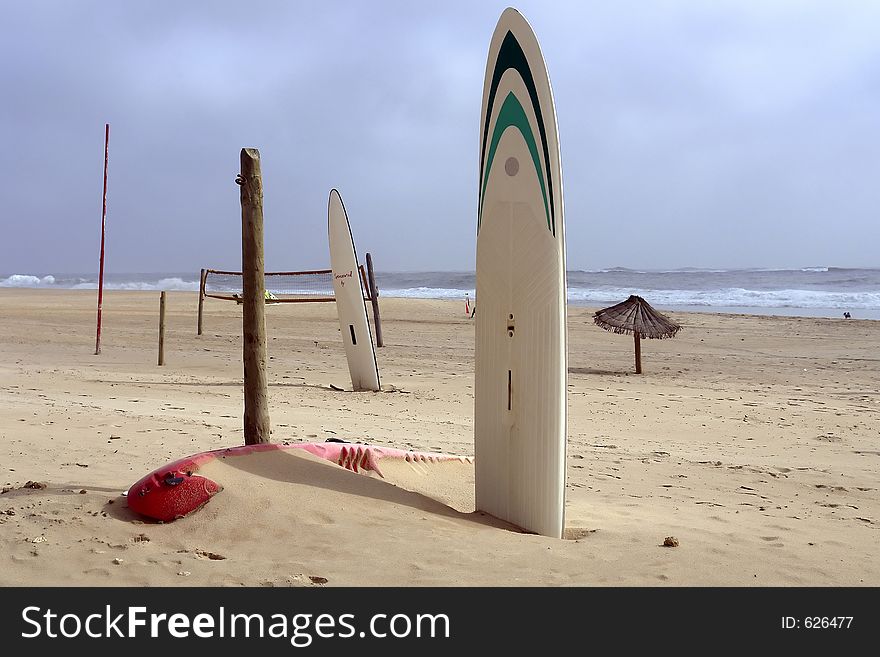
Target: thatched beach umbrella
[636, 316]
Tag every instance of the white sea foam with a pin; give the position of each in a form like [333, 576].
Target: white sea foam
[167, 284]
[428, 293]
[26, 280]
[728, 297]
[817, 270]
[734, 297]
[857, 289]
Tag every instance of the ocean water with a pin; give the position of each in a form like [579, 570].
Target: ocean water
[810, 291]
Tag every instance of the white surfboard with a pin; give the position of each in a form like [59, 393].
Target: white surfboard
[521, 344]
[347, 284]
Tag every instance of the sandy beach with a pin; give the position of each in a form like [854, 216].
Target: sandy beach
[753, 440]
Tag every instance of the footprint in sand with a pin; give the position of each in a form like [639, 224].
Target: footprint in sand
[213, 556]
[577, 533]
[205, 554]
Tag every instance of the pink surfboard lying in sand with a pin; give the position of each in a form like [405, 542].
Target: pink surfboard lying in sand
[176, 489]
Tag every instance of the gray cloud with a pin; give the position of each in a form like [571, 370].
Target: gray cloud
[692, 133]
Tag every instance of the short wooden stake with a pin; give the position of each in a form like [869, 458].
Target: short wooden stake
[638, 341]
[162, 328]
[256, 387]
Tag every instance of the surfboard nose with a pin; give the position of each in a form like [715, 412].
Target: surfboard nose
[170, 494]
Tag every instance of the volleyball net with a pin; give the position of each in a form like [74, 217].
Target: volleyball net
[287, 287]
[281, 286]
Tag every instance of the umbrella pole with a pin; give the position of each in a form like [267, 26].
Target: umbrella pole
[638, 340]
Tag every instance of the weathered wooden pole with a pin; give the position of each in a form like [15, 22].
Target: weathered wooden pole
[162, 328]
[638, 341]
[256, 387]
[374, 298]
[202, 278]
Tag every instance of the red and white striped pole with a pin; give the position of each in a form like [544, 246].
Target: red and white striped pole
[103, 220]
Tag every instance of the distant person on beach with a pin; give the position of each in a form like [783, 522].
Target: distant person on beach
[846, 315]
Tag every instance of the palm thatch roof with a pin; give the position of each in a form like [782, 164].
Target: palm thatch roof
[635, 316]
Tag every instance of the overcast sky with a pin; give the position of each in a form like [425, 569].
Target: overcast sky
[693, 133]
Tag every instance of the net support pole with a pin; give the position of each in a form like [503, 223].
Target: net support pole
[256, 388]
[202, 278]
[374, 298]
[638, 343]
[103, 222]
[162, 328]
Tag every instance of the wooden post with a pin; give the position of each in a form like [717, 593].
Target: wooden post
[374, 298]
[256, 388]
[103, 222]
[162, 328]
[202, 278]
[638, 342]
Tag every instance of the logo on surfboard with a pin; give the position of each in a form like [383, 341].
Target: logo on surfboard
[515, 113]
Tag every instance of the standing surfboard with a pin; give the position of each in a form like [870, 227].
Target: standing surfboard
[353, 324]
[521, 348]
